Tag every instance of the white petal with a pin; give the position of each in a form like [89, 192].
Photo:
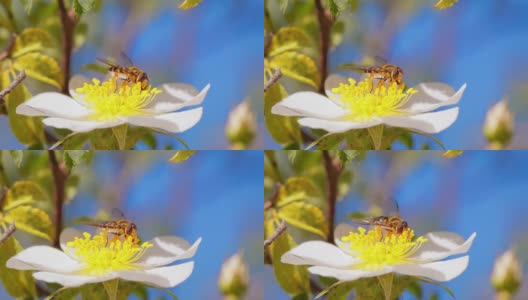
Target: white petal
[438, 270]
[440, 245]
[308, 104]
[76, 82]
[167, 249]
[431, 96]
[70, 280]
[52, 104]
[176, 96]
[335, 126]
[79, 125]
[172, 122]
[318, 253]
[433, 122]
[340, 231]
[347, 274]
[331, 82]
[43, 258]
[165, 277]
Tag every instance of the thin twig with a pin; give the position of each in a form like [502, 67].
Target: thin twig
[277, 74]
[270, 203]
[20, 77]
[7, 51]
[278, 231]
[3, 195]
[10, 230]
[333, 170]
[59, 174]
[68, 21]
[267, 42]
[325, 25]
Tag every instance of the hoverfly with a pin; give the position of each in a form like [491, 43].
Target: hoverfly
[384, 72]
[130, 74]
[391, 223]
[119, 226]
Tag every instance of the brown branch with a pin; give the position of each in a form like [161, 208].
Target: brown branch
[278, 231]
[68, 21]
[20, 77]
[277, 74]
[325, 25]
[10, 230]
[333, 170]
[59, 174]
[3, 195]
[6, 53]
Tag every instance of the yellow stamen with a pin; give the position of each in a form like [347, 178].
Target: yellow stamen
[110, 100]
[366, 102]
[377, 247]
[101, 255]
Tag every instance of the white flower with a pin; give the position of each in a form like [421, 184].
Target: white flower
[234, 276]
[86, 259]
[102, 105]
[360, 254]
[507, 273]
[353, 106]
[241, 125]
[499, 124]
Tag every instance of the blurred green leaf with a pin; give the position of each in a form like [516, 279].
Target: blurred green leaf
[340, 291]
[330, 141]
[182, 155]
[188, 4]
[31, 40]
[443, 4]
[297, 189]
[284, 130]
[30, 219]
[73, 158]
[305, 216]
[23, 192]
[41, 67]
[71, 187]
[82, 7]
[27, 130]
[297, 66]
[27, 4]
[288, 39]
[292, 279]
[18, 284]
[17, 156]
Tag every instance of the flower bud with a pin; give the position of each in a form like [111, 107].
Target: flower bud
[234, 277]
[241, 126]
[507, 274]
[498, 126]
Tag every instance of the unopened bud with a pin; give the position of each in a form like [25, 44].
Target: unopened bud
[241, 126]
[498, 126]
[507, 273]
[234, 277]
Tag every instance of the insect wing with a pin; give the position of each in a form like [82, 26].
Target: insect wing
[106, 62]
[126, 58]
[117, 214]
[381, 60]
[353, 67]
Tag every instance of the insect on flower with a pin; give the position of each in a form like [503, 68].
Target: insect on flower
[129, 74]
[391, 223]
[384, 72]
[119, 226]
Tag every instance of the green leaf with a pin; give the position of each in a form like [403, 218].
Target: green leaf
[41, 67]
[284, 130]
[188, 4]
[18, 284]
[427, 280]
[17, 156]
[443, 4]
[334, 8]
[368, 288]
[297, 66]
[73, 158]
[111, 287]
[182, 155]
[297, 189]
[120, 134]
[22, 193]
[31, 40]
[82, 7]
[341, 291]
[288, 39]
[429, 136]
[93, 291]
[376, 134]
[305, 216]
[347, 156]
[291, 278]
[71, 187]
[30, 219]
[330, 141]
[27, 4]
[28, 130]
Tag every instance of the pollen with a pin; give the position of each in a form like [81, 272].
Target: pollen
[377, 247]
[102, 255]
[366, 101]
[110, 100]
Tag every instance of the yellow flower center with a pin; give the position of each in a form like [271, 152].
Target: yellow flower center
[101, 255]
[110, 100]
[377, 247]
[366, 102]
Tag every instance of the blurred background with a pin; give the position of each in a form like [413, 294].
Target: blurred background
[479, 191]
[214, 195]
[218, 42]
[479, 42]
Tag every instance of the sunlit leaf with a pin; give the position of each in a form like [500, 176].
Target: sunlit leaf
[24, 192]
[40, 67]
[288, 39]
[31, 220]
[284, 130]
[297, 66]
[292, 279]
[82, 7]
[188, 4]
[340, 292]
[31, 40]
[73, 158]
[17, 156]
[452, 153]
[27, 130]
[296, 189]
[306, 217]
[182, 155]
[18, 284]
[443, 4]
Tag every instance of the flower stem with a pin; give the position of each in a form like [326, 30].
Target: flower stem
[386, 284]
[333, 170]
[325, 26]
[376, 133]
[59, 174]
[111, 287]
[120, 133]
